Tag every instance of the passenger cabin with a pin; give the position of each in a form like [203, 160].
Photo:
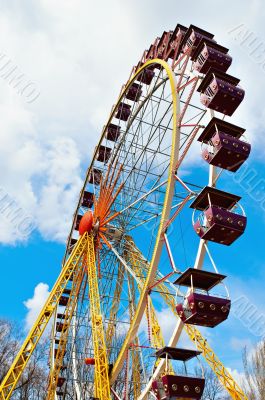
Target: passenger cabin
[202, 308]
[113, 132]
[192, 38]
[103, 154]
[211, 55]
[224, 148]
[175, 41]
[87, 199]
[56, 342]
[73, 241]
[218, 222]
[64, 299]
[77, 221]
[134, 92]
[60, 381]
[163, 44]
[220, 92]
[71, 246]
[151, 52]
[95, 176]
[123, 112]
[60, 327]
[173, 387]
[146, 75]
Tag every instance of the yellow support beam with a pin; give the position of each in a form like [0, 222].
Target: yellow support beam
[101, 377]
[135, 349]
[18, 366]
[138, 265]
[196, 337]
[136, 262]
[110, 333]
[68, 313]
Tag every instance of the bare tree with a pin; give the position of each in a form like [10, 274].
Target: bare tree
[213, 389]
[254, 367]
[9, 345]
[33, 382]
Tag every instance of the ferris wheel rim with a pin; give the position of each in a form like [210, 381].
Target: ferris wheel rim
[166, 209]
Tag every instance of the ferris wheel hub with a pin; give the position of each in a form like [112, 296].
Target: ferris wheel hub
[86, 223]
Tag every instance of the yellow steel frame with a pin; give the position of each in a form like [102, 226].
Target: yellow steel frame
[157, 339]
[138, 265]
[9, 382]
[136, 376]
[114, 307]
[101, 377]
[202, 344]
[68, 313]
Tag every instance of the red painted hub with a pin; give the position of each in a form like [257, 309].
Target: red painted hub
[89, 361]
[86, 223]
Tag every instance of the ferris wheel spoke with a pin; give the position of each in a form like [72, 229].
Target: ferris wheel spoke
[191, 137]
[127, 267]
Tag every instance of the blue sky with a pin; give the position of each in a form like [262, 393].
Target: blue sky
[78, 54]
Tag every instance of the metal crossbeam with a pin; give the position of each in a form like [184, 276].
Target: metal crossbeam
[101, 377]
[157, 339]
[110, 334]
[134, 351]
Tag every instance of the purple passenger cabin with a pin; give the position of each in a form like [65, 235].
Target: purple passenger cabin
[151, 52]
[208, 55]
[175, 41]
[103, 154]
[123, 112]
[163, 44]
[218, 221]
[87, 199]
[225, 148]
[220, 92]
[146, 75]
[63, 300]
[60, 381]
[202, 308]
[77, 222]
[95, 176]
[113, 132]
[173, 387]
[192, 38]
[134, 92]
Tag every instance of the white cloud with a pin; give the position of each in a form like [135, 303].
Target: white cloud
[35, 304]
[80, 53]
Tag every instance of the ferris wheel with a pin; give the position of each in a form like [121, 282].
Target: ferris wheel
[141, 239]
